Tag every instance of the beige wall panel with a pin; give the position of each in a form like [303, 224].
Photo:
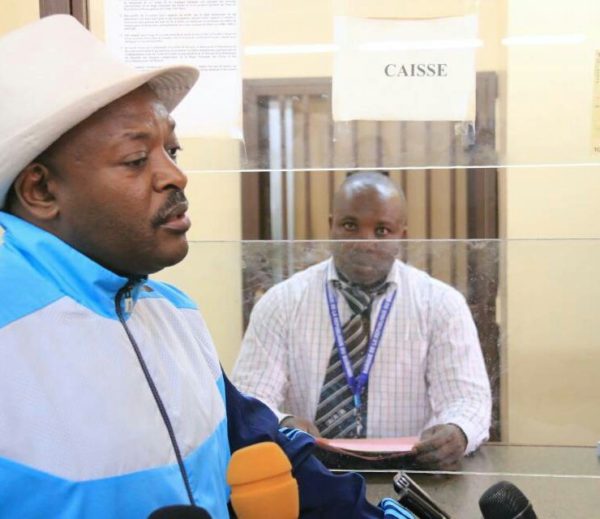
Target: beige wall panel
[550, 307]
[553, 202]
[96, 17]
[286, 22]
[404, 8]
[16, 13]
[550, 110]
[211, 276]
[553, 353]
[267, 23]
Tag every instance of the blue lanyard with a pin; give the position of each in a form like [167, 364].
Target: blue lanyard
[357, 384]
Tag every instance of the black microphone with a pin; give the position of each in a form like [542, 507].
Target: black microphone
[504, 500]
[180, 512]
[415, 499]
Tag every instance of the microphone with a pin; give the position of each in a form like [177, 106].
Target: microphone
[504, 500]
[415, 499]
[180, 512]
[262, 486]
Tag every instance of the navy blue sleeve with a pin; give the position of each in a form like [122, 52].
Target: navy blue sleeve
[322, 493]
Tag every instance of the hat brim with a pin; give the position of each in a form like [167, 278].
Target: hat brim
[172, 84]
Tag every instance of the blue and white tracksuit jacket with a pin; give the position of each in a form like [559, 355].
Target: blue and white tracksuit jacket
[81, 434]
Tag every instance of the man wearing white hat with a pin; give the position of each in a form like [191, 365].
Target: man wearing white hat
[113, 403]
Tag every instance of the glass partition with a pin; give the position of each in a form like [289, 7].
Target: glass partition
[502, 183]
[501, 180]
[527, 109]
[323, 83]
[535, 306]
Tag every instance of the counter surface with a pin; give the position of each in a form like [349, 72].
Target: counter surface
[560, 482]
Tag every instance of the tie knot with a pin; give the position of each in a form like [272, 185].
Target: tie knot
[358, 299]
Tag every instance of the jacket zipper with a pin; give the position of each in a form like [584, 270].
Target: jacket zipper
[124, 295]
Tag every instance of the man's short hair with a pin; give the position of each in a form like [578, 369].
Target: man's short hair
[383, 172]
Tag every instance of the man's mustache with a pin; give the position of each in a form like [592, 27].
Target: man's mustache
[174, 199]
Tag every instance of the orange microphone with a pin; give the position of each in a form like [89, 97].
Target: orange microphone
[262, 486]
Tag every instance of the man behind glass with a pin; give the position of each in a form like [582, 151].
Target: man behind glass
[309, 344]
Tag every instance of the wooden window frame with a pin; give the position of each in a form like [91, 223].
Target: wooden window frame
[77, 8]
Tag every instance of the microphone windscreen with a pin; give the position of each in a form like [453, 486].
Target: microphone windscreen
[180, 512]
[262, 486]
[504, 500]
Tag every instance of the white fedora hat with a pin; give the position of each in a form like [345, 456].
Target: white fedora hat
[53, 75]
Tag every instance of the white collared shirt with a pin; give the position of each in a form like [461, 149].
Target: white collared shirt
[428, 369]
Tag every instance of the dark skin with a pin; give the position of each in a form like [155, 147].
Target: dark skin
[111, 189]
[371, 214]
[441, 447]
[369, 207]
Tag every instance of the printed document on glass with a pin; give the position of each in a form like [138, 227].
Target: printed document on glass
[405, 70]
[203, 33]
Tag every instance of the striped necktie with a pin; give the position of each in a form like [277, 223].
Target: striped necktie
[336, 415]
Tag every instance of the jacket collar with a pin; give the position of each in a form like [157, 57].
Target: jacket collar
[73, 273]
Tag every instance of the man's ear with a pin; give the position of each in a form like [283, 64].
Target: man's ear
[34, 193]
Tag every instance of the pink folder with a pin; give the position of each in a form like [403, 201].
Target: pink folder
[370, 448]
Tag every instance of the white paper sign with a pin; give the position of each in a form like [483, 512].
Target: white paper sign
[405, 70]
[204, 33]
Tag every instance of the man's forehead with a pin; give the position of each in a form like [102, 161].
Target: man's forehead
[372, 196]
[136, 114]
[138, 111]
[138, 106]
